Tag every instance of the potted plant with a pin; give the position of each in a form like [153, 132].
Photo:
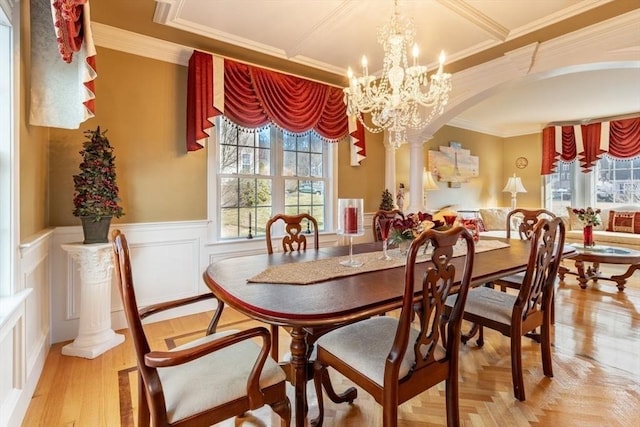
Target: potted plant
[387, 201]
[96, 194]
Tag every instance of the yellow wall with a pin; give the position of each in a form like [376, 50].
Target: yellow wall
[34, 162]
[141, 103]
[530, 147]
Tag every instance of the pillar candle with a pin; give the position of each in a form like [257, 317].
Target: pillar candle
[351, 220]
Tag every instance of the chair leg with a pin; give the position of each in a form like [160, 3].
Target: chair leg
[347, 396]
[452, 402]
[319, 373]
[516, 366]
[545, 347]
[390, 415]
[274, 342]
[283, 409]
[144, 417]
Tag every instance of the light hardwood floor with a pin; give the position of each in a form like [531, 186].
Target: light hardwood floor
[596, 362]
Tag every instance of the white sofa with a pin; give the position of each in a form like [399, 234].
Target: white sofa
[494, 220]
[601, 234]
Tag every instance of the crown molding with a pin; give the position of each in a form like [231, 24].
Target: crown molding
[138, 44]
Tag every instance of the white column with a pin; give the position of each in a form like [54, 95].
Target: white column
[416, 167]
[95, 336]
[390, 167]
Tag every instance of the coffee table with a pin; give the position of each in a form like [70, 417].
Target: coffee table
[602, 255]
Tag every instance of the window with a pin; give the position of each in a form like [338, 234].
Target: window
[613, 182]
[260, 172]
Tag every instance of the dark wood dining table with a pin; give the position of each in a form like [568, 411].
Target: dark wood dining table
[334, 301]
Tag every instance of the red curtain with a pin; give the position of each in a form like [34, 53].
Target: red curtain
[624, 143]
[254, 97]
[200, 107]
[68, 24]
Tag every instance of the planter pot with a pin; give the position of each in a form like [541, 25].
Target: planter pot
[95, 231]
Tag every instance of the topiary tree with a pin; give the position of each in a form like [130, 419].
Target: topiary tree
[387, 201]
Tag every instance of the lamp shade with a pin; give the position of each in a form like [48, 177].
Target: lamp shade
[428, 182]
[514, 185]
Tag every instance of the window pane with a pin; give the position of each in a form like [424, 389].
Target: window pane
[303, 142]
[316, 143]
[316, 165]
[228, 159]
[618, 182]
[264, 138]
[289, 163]
[246, 138]
[288, 141]
[246, 160]
[561, 183]
[264, 162]
[303, 164]
[229, 223]
[228, 192]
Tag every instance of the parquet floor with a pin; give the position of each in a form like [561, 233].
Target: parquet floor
[596, 362]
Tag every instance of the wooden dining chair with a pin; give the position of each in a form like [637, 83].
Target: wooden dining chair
[527, 220]
[395, 359]
[516, 315]
[375, 226]
[295, 238]
[205, 381]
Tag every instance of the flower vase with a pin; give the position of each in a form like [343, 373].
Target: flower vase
[587, 236]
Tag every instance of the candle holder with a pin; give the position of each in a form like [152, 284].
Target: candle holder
[351, 223]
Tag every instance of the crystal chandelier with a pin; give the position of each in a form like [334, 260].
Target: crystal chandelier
[403, 97]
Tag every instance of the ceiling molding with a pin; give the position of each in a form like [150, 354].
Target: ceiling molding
[477, 18]
[500, 133]
[138, 44]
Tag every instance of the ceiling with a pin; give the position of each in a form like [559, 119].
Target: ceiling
[332, 35]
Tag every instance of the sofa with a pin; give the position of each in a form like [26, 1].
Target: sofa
[619, 226]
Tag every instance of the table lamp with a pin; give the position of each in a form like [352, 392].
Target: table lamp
[514, 186]
[428, 184]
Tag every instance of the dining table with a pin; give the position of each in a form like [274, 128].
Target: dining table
[248, 284]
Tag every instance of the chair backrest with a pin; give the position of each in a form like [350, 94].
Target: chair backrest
[294, 238]
[149, 376]
[392, 214]
[536, 291]
[437, 330]
[530, 218]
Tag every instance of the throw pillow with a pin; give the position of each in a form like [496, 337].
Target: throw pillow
[626, 222]
[576, 224]
[494, 219]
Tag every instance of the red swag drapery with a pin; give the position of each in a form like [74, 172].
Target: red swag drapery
[254, 97]
[561, 143]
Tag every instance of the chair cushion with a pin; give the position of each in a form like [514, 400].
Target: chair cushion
[365, 346]
[515, 279]
[213, 379]
[488, 303]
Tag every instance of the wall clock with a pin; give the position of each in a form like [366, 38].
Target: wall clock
[521, 162]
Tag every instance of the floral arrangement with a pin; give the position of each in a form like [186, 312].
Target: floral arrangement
[411, 226]
[96, 192]
[589, 216]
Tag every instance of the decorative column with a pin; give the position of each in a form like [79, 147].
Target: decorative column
[95, 336]
[416, 168]
[389, 166]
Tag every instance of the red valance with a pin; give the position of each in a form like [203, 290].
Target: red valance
[200, 107]
[254, 97]
[618, 138]
[68, 25]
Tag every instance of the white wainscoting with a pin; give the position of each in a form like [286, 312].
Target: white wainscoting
[25, 330]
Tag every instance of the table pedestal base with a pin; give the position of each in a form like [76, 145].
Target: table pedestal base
[593, 273]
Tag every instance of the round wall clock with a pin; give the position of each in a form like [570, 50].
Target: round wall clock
[521, 162]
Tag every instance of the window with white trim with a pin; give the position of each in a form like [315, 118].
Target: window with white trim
[261, 172]
[612, 182]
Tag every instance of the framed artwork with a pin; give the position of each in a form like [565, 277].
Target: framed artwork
[453, 164]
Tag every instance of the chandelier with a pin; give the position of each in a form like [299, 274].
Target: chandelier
[403, 97]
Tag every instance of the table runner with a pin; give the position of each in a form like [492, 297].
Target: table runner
[304, 273]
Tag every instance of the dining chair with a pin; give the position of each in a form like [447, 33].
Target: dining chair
[295, 238]
[527, 220]
[516, 315]
[375, 226]
[205, 381]
[395, 359]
